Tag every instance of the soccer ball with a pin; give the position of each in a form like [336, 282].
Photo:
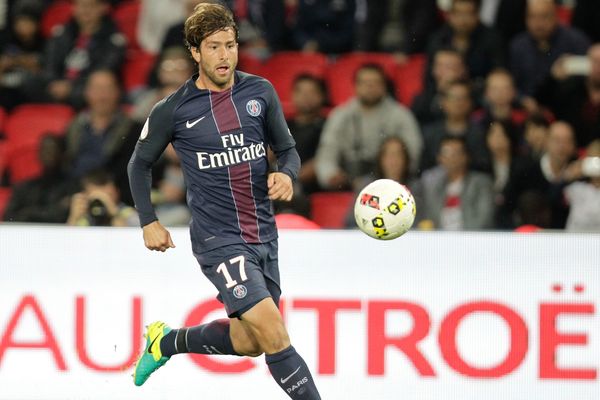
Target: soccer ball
[385, 209]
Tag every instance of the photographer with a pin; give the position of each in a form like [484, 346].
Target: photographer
[99, 204]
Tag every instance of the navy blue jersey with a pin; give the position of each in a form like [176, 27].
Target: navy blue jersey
[221, 139]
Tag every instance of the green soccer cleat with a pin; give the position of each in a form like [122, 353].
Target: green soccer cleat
[151, 359]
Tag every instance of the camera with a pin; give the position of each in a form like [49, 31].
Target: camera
[590, 167]
[98, 214]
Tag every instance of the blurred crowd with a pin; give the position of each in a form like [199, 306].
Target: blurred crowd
[501, 129]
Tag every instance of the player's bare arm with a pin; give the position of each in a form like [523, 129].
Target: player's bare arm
[280, 186]
[156, 237]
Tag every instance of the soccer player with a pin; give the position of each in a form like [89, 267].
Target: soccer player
[220, 123]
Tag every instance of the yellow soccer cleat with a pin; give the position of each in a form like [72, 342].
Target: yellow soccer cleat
[151, 359]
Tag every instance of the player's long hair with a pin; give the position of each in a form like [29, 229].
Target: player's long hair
[207, 19]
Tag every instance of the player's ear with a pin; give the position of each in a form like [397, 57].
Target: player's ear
[195, 54]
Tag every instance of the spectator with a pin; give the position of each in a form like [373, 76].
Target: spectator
[533, 52]
[584, 196]
[155, 19]
[309, 97]
[20, 57]
[456, 105]
[576, 98]
[481, 47]
[502, 145]
[508, 17]
[393, 162]
[548, 176]
[99, 204]
[174, 36]
[499, 101]
[453, 196]
[536, 135]
[102, 136]
[261, 24]
[326, 26]
[169, 197]
[174, 68]
[44, 199]
[89, 41]
[355, 130]
[397, 26]
[448, 66]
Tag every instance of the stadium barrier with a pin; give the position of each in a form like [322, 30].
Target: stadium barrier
[428, 316]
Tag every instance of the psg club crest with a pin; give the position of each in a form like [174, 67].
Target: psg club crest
[240, 291]
[253, 108]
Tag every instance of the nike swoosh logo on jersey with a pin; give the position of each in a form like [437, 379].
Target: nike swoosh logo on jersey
[189, 124]
[289, 376]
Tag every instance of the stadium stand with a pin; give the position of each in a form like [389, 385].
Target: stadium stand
[329, 209]
[57, 13]
[340, 74]
[24, 128]
[126, 17]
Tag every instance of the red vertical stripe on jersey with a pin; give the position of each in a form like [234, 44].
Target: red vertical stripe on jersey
[240, 177]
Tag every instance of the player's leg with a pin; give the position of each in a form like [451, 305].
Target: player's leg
[287, 367]
[221, 336]
[235, 271]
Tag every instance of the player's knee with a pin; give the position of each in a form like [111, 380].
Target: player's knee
[254, 352]
[275, 339]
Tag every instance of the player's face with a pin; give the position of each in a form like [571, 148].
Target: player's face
[217, 58]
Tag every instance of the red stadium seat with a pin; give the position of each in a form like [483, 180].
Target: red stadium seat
[57, 13]
[340, 75]
[293, 221]
[282, 68]
[293, 59]
[5, 193]
[565, 14]
[2, 119]
[249, 63]
[24, 128]
[329, 209]
[126, 17]
[3, 158]
[23, 162]
[408, 79]
[136, 69]
[27, 123]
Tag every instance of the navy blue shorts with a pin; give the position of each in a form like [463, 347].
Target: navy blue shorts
[244, 274]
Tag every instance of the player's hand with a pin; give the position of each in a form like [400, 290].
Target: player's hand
[280, 186]
[156, 237]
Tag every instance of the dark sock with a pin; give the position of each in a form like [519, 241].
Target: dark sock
[291, 373]
[211, 338]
